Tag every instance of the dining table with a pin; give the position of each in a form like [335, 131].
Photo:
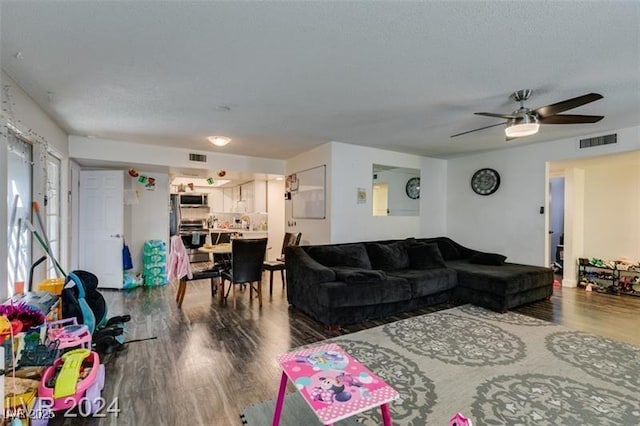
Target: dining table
[221, 249]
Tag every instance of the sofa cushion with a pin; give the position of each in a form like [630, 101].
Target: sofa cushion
[425, 256]
[341, 255]
[448, 250]
[388, 257]
[510, 278]
[428, 281]
[494, 259]
[340, 294]
[352, 275]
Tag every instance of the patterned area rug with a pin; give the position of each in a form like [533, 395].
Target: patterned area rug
[499, 369]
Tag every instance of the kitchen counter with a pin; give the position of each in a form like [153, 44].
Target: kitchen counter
[246, 233]
[236, 230]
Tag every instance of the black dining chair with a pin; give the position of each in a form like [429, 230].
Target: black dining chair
[290, 239]
[209, 273]
[223, 261]
[204, 271]
[224, 237]
[247, 256]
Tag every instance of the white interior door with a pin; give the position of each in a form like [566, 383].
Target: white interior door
[102, 225]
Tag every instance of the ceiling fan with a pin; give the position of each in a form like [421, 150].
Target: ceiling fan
[526, 122]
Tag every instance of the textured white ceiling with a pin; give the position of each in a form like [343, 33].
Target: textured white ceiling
[394, 75]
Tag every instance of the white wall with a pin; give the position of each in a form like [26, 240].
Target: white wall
[29, 118]
[275, 218]
[612, 212]
[149, 218]
[4, 216]
[314, 231]
[136, 153]
[509, 221]
[350, 167]
[573, 224]
[33, 124]
[433, 197]
[556, 213]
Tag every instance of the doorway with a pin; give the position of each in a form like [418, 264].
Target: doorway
[600, 210]
[381, 199]
[556, 223]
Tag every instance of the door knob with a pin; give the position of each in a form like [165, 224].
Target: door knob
[116, 236]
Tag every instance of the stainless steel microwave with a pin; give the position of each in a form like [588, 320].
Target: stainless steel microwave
[194, 200]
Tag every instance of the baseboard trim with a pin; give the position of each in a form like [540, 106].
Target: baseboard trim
[569, 283]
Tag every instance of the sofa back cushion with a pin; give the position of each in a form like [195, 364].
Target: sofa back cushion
[425, 256]
[493, 259]
[388, 257]
[341, 255]
[353, 275]
[448, 250]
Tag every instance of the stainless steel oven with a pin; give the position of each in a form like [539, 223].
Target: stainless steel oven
[194, 234]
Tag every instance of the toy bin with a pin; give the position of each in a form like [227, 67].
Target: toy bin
[52, 285]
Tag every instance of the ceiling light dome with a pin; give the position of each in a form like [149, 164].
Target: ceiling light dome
[525, 126]
[219, 140]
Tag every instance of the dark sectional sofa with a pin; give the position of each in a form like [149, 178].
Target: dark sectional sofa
[350, 283]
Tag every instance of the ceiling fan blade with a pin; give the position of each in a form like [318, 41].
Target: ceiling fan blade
[475, 130]
[491, 114]
[571, 119]
[547, 110]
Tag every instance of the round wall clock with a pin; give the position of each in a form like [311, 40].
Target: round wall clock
[485, 181]
[413, 188]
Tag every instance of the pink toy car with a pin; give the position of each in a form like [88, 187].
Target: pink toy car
[70, 388]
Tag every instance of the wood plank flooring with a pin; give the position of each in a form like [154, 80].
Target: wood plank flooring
[209, 361]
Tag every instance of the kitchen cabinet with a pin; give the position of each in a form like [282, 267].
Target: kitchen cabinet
[246, 198]
[216, 199]
[250, 197]
[227, 200]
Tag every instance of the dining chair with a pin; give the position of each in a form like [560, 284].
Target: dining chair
[224, 237]
[180, 268]
[290, 239]
[247, 256]
[223, 261]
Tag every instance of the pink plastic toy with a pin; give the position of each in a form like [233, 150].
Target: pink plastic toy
[70, 388]
[69, 334]
[460, 420]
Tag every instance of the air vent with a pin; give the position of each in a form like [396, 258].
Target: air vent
[597, 141]
[200, 158]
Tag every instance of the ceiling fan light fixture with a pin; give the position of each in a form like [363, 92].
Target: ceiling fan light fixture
[219, 140]
[525, 126]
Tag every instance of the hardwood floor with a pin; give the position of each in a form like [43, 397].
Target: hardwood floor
[210, 361]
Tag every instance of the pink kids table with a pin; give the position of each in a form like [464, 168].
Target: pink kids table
[334, 384]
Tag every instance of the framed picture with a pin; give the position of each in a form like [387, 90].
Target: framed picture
[291, 183]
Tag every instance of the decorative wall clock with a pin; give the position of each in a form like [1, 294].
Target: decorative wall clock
[413, 188]
[485, 181]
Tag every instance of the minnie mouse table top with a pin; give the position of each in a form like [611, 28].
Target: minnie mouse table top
[334, 384]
